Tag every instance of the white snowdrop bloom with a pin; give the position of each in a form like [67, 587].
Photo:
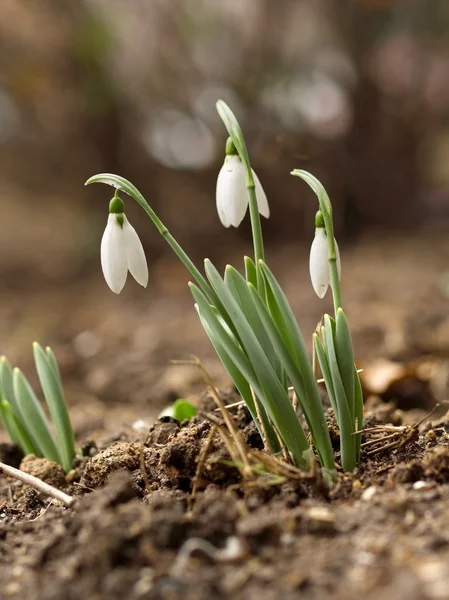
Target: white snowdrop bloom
[122, 251]
[232, 195]
[319, 262]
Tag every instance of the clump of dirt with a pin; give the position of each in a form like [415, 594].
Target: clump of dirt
[168, 458]
[44, 469]
[436, 464]
[118, 456]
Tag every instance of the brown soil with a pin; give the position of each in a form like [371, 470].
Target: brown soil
[138, 531]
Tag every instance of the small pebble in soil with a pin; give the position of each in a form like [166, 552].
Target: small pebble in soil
[423, 485]
[369, 493]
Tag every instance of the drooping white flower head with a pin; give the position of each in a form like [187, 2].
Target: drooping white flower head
[319, 263]
[122, 251]
[232, 195]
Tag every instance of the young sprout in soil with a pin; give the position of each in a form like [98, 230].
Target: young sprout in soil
[23, 416]
[180, 410]
[253, 329]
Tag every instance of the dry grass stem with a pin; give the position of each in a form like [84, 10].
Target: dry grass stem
[143, 469]
[264, 434]
[201, 461]
[225, 413]
[230, 445]
[38, 484]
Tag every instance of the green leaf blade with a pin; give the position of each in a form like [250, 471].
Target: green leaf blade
[315, 417]
[345, 422]
[345, 357]
[238, 287]
[230, 361]
[6, 383]
[278, 405]
[34, 417]
[50, 380]
[16, 431]
[325, 370]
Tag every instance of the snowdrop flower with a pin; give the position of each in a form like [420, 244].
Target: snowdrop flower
[232, 195]
[121, 250]
[319, 262]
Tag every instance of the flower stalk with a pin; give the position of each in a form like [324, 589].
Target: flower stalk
[236, 135]
[326, 212]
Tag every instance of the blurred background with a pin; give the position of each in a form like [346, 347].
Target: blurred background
[357, 92]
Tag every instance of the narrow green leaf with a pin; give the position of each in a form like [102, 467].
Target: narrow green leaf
[250, 271]
[6, 383]
[240, 382]
[345, 357]
[358, 401]
[3, 418]
[285, 320]
[279, 407]
[324, 366]
[34, 417]
[51, 358]
[345, 423]
[310, 400]
[16, 430]
[315, 417]
[239, 289]
[50, 380]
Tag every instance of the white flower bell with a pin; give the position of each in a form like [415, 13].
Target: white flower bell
[232, 195]
[122, 251]
[319, 262]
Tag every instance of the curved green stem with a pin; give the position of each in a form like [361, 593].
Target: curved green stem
[256, 226]
[123, 185]
[236, 135]
[335, 282]
[326, 210]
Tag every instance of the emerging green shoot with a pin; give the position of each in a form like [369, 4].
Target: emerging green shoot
[23, 416]
[180, 410]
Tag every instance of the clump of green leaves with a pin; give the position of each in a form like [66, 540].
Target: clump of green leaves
[252, 327]
[23, 415]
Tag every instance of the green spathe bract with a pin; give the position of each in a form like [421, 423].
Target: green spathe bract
[256, 336]
[23, 416]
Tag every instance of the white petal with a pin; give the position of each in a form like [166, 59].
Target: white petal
[232, 198]
[135, 255]
[319, 266]
[113, 257]
[221, 212]
[262, 201]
